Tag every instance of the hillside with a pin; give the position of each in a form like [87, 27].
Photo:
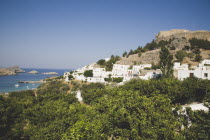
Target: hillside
[175, 40]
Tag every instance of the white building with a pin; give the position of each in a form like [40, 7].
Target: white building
[99, 72]
[141, 67]
[202, 71]
[199, 73]
[179, 66]
[120, 70]
[205, 62]
[137, 68]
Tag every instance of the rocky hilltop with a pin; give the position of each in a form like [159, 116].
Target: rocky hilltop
[177, 39]
[181, 33]
[10, 71]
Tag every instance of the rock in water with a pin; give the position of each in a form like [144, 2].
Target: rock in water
[33, 72]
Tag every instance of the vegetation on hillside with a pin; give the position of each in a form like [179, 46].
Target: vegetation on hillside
[148, 47]
[108, 65]
[199, 43]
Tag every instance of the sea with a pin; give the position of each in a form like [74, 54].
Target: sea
[9, 83]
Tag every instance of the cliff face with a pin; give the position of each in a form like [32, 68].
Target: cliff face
[10, 71]
[174, 34]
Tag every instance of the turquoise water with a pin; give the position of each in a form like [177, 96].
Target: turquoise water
[9, 83]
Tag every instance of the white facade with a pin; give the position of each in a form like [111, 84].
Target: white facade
[137, 68]
[99, 72]
[179, 66]
[141, 67]
[205, 61]
[119, 70]
[201, 71]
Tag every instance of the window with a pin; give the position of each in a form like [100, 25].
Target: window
[191, 75]
[205, 75]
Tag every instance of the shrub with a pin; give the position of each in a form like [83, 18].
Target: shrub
[88, 73]
[147, 68]
[118, 79]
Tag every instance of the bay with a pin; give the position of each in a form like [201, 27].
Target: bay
[9, 83]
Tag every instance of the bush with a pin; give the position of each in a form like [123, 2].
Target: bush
[198, 58]
[88, 73]
[101, 62]
[199, 43]
[118, 79]
[108, 79]
[147, 68]
[180, 55]
[70, 77]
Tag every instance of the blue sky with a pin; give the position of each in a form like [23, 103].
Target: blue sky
[73, 33]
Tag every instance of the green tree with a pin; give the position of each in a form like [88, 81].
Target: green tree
[124, 54]
[180, 55]
[101, 62]
[166, 63]
[70, 77]
[131, 52]
[198, 58]
[88, 73]
[118, 79]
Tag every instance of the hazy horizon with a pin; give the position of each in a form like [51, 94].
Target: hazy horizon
[68, 34]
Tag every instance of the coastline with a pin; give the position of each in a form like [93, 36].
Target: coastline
[10, 83]
[32, 82]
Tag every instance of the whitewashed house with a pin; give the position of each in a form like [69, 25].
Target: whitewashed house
[141, 66]
[120, 70]
[99, 72]
[137, 68]
[205, 62]
[179, 66]
[201, 71]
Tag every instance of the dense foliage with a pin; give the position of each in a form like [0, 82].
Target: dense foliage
[139, 109]
[199, 43]
[88, 73]
[180, 55]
